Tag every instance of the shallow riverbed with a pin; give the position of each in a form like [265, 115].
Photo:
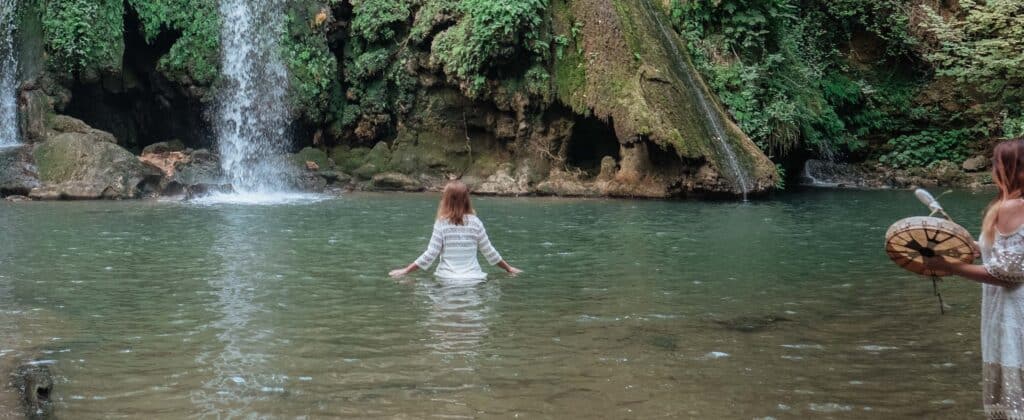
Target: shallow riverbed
[785, 308]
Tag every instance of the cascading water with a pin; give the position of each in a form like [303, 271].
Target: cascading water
[8, 75]
[252, 116]
[711, 119]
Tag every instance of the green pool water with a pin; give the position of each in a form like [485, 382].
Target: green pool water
[785, 308]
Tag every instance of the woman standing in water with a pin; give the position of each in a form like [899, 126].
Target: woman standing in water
[1002, 272]
[458, 234]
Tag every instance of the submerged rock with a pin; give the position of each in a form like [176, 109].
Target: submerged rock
[751, 323]
[35, 384]
[85, 166]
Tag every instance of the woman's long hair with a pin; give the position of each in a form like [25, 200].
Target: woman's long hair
[455, 203]
[1008, 174]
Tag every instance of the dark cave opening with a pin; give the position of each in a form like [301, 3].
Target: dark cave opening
[139, 105]
[592, 139]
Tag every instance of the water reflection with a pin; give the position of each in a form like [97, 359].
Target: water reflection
[235, 378]
[458, 317]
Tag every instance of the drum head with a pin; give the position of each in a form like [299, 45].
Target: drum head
[910, 240]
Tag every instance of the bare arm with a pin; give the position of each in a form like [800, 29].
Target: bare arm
[972, 272]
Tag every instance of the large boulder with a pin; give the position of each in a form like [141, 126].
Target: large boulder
[316, 156]
[84, 166]
[393, 181]
[17, 173]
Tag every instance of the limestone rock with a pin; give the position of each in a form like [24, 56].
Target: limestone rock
[608, 169]
[367, 171]
[79, 166]
[393, 181]
[976, 163]
[349, 159]
[17, 173]
[314, 155]
[164, 147]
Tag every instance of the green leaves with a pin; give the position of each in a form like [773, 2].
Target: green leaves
[84, 35]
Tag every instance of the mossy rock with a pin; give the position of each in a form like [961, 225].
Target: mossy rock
[349, 159]
[366, 171]
[379, 156]
[75, 165]
[310, 154]
[393, 181]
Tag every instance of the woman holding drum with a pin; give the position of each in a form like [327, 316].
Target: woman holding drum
[1002, 272]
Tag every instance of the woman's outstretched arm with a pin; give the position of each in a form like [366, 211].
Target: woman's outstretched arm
[491, 254]
[427, 258]
[971, 272]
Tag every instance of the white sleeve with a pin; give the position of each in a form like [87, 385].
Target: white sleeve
[433, 249]
[484, 244]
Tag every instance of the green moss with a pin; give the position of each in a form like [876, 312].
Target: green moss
[310, 154]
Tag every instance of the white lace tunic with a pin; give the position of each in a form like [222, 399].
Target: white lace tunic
[457, 246]
[1002, 328]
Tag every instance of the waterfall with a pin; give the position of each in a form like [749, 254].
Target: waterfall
[8, 75]
[252, 116]
[711, 118]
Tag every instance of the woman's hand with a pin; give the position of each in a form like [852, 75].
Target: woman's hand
[402, 272]
[937, 263]
[512, 271]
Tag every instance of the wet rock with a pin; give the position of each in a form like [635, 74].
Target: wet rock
[165, 162]
[367, 171]
[976, 164]
[820, 173]
[349, 159]
[84, 166]
[35, 109]
[751, 323]
[379, 156]
[17, 173]
[164, 147]
[393, 181]
[306, 181]
[35, 384]
[334, 177]
[201, 190]
[64, 125]
[318, 158]
[201, 167]
[17, 198]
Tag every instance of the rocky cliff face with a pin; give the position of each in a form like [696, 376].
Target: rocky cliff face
[571, 97]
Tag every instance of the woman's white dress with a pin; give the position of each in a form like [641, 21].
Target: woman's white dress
[1002, 328]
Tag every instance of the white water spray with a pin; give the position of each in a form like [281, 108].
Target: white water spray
[8, 75]
[252, 116]
[711, 118]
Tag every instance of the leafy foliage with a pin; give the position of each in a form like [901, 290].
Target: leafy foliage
[194, 56]
[493, 34]
[984, 49]
[84, 35]
[928, 147]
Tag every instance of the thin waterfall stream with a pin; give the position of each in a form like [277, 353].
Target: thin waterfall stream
[8, 75]
[712, 120]
[252, 116]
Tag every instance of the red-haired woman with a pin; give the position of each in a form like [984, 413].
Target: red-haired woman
[1002, 304]
[458, 234]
